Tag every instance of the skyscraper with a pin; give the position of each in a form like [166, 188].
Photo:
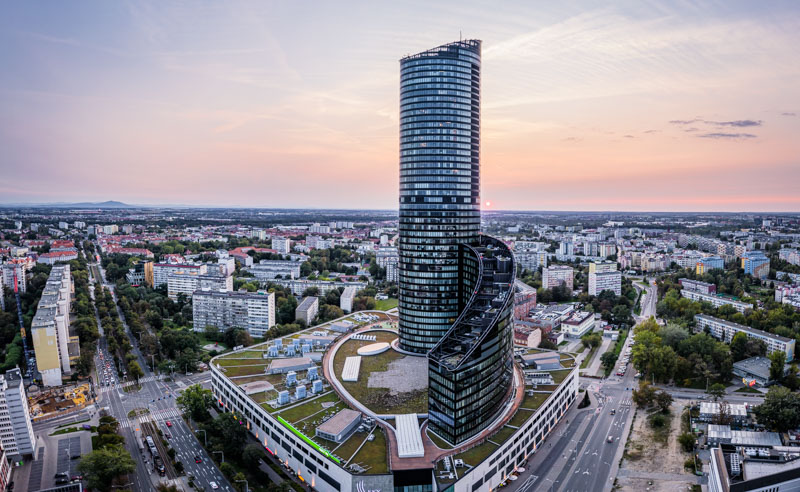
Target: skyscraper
[456, 286]
[439, 185]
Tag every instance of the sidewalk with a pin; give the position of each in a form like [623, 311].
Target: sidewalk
[595, 365]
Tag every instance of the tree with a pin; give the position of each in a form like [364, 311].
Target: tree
[547, 344]
[102, 466]
[645, 395]
[739, 346]
[135, 370]
[252, 454]
[780, 410]
[195, 401]
[777, 362]
[608, 359]
[663, 400]
[717, 391]
[686, 440]
[228, 434]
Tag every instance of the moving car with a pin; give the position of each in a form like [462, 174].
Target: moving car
[610, 439]
[169, 424]
[213, 485]
[197, 459]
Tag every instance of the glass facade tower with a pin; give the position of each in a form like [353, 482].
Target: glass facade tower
[439, 186]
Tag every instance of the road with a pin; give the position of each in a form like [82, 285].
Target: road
[158, 397]
[578, 455]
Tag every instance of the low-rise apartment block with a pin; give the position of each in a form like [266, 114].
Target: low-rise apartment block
[716, 300]
[698, 286]
[709, 263]
[578, 324]
[253, 311]
[725, 331]
[307, 310]
[266, 270]
[162, 271]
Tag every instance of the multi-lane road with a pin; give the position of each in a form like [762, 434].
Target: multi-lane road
[582, 450]
[158, 398]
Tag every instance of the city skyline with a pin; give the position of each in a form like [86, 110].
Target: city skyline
[632, 107]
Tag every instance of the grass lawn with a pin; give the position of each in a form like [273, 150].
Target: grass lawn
[294, 414]
[248, 370]
[588, 359]
[72, 423]
[373, 454]
[474, 456]
[520, 417]
[69, 430]
[559, 376]
[747, 389]
[535, 401]
[439, 441]
[386, 304]
[503, 434]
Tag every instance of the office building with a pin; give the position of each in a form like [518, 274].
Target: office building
[578, 324]
[55, 349]
[709, 263]
[307, 310]
[716, 300]
[556, 275]
[283, 245]
[737, 469]
[725, 330]
[756, 264]
[346, 299]
[16, 430]
[439, 185]
[253, 311]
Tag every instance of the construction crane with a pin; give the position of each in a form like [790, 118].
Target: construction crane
[21, 322]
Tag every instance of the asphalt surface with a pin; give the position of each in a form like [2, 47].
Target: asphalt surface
[159, 398]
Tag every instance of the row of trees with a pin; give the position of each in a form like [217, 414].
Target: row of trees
[11, 353]
[109, 462]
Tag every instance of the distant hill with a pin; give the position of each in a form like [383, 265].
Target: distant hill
[106, 204]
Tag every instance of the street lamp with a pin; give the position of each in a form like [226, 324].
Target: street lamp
[223, 456]
[245, 484]
[205, 436]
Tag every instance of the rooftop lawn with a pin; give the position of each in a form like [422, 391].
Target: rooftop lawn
[373, 455]
[438, 440]
[520, 417]
[503, 434]
[247, 370]
[535, 401]
[296, 413]
[559, 376]
[386, 304]
[474, 456]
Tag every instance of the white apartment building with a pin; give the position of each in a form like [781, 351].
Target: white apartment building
[253, 311]
[16, 430]
[21, 269]
[50, 328]
[270, 269]
[307, 310]
[318, 242]
[556, 275]
[606, 249]
[393, 271]
[298, 286]
[346, 299]
[578, 324]
[110, 229]
[603, 275]
[282, 245]
[725, 330]
[716, 300]
[182, 282]
[529, 259]
[162, 271]
[316, 228]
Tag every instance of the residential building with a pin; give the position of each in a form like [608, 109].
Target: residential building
[725, 330]
[307, 310]
[16, 268]
[266, 270]
[566, 248]
[52, 343]
[709, 263]
[298, 286]
[110, 229]
[53, 257]
[392, 271]
[318, 242]
[527, 336]
[162, 271]
[716, 300]
[531, 260]
[578, 323]
[346, 299]
[253, 311]
[16, 431]
[187, 282]
[598, 282]
[5, 469]
[698, 286]
[756, 264]
[319, 229]
[556, 275]
[607, 249]
[789, 255]
[282, 245]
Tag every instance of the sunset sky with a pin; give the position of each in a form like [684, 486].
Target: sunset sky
[641, 106]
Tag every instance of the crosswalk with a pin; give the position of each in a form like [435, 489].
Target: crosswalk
[157, 415]
[626, 402]
[148, 379]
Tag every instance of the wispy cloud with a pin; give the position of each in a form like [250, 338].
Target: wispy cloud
[728, 136]
[788, 114]
[736, 123]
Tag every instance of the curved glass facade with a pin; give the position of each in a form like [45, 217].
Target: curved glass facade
[439, 185]
[470, 370]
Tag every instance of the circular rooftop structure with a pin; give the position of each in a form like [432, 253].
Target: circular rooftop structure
[373, 349]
